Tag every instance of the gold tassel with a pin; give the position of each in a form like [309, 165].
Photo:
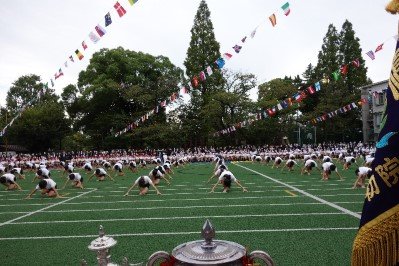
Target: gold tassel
[377, 241]
[393, 7]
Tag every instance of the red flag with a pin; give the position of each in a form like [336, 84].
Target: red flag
[121, 11]
[379, 48]
[84, 45]
[311, 90]
[344, 69]
[195, 81]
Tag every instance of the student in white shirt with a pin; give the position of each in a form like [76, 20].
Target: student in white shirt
[226, 178]
[9, 181]
[77, 180]
[48, 187]
[143, 183]
[100, 173]
[328, 167]
[362, 173]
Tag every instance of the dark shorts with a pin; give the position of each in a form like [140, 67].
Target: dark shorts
[145, 186]
[290, 164]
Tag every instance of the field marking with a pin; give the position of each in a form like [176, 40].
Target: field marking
[188, 233]
[183, 218]
[291, 193]
[45, 208]
[305, 193]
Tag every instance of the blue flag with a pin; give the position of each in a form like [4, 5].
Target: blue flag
[376, 242]
[108, 20]
[220, 62]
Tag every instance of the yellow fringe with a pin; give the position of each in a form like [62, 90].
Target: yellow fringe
[393, 7]
[376, 242]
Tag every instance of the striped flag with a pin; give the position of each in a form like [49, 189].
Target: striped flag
[79, 54]
[371, 54]
[227, 56]
[100, 30]
[273, 20]
[93, 37]
[356, 62]
[84, 45]
[286, 8]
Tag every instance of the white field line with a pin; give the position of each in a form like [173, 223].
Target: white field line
[174, 207]
[356, 215]
[185, 217]
[189, 233]
[45, 208]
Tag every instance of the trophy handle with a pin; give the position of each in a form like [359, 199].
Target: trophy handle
[257, 255]
[159, 258]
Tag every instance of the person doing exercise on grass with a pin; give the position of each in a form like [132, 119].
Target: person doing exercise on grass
[309, 164]
[156, 174]
[42, 173]
[218, 172]
[19, 172]
[361, 174]
[328, 167]
[8, 180]
[290, 165]
[143, 183]
[77, 180]
[226, 178]
[100, 173]
[48, 187]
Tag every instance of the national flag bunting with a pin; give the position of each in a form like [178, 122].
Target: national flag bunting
[379, 48]
[237, 48]
[311, 90]
[220, 62]
[132, 2]
[100, 30]
[253, 33]
[336, 75]
[79, 54]
[202, 76]
[52, 82]
[227, 56]
[59, 74]
[71, 58]
[376, 242]
[195, 81]
[209, 70]
[356, 62]
[93, 37]
[108, 20]
[273, 19]
[286, 8]
[344, 69]
[244, 39]
[84, 45]
[66, 64]
[371, 54]
[317, 86]
[121, 11]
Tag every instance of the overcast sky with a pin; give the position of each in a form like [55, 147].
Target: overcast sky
[38, 36]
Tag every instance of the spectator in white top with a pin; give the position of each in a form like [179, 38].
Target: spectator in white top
[362, 173]
[144, 183]
[226, 178]
[48, 187]
[100, 173]
[328, 167]
[9, 181]
[77, 180]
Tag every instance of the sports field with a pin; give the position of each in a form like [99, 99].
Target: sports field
[298, 220]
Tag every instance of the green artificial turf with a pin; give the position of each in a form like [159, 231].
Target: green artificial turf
[293, 228]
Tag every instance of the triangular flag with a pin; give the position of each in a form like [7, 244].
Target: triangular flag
[273, 20]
